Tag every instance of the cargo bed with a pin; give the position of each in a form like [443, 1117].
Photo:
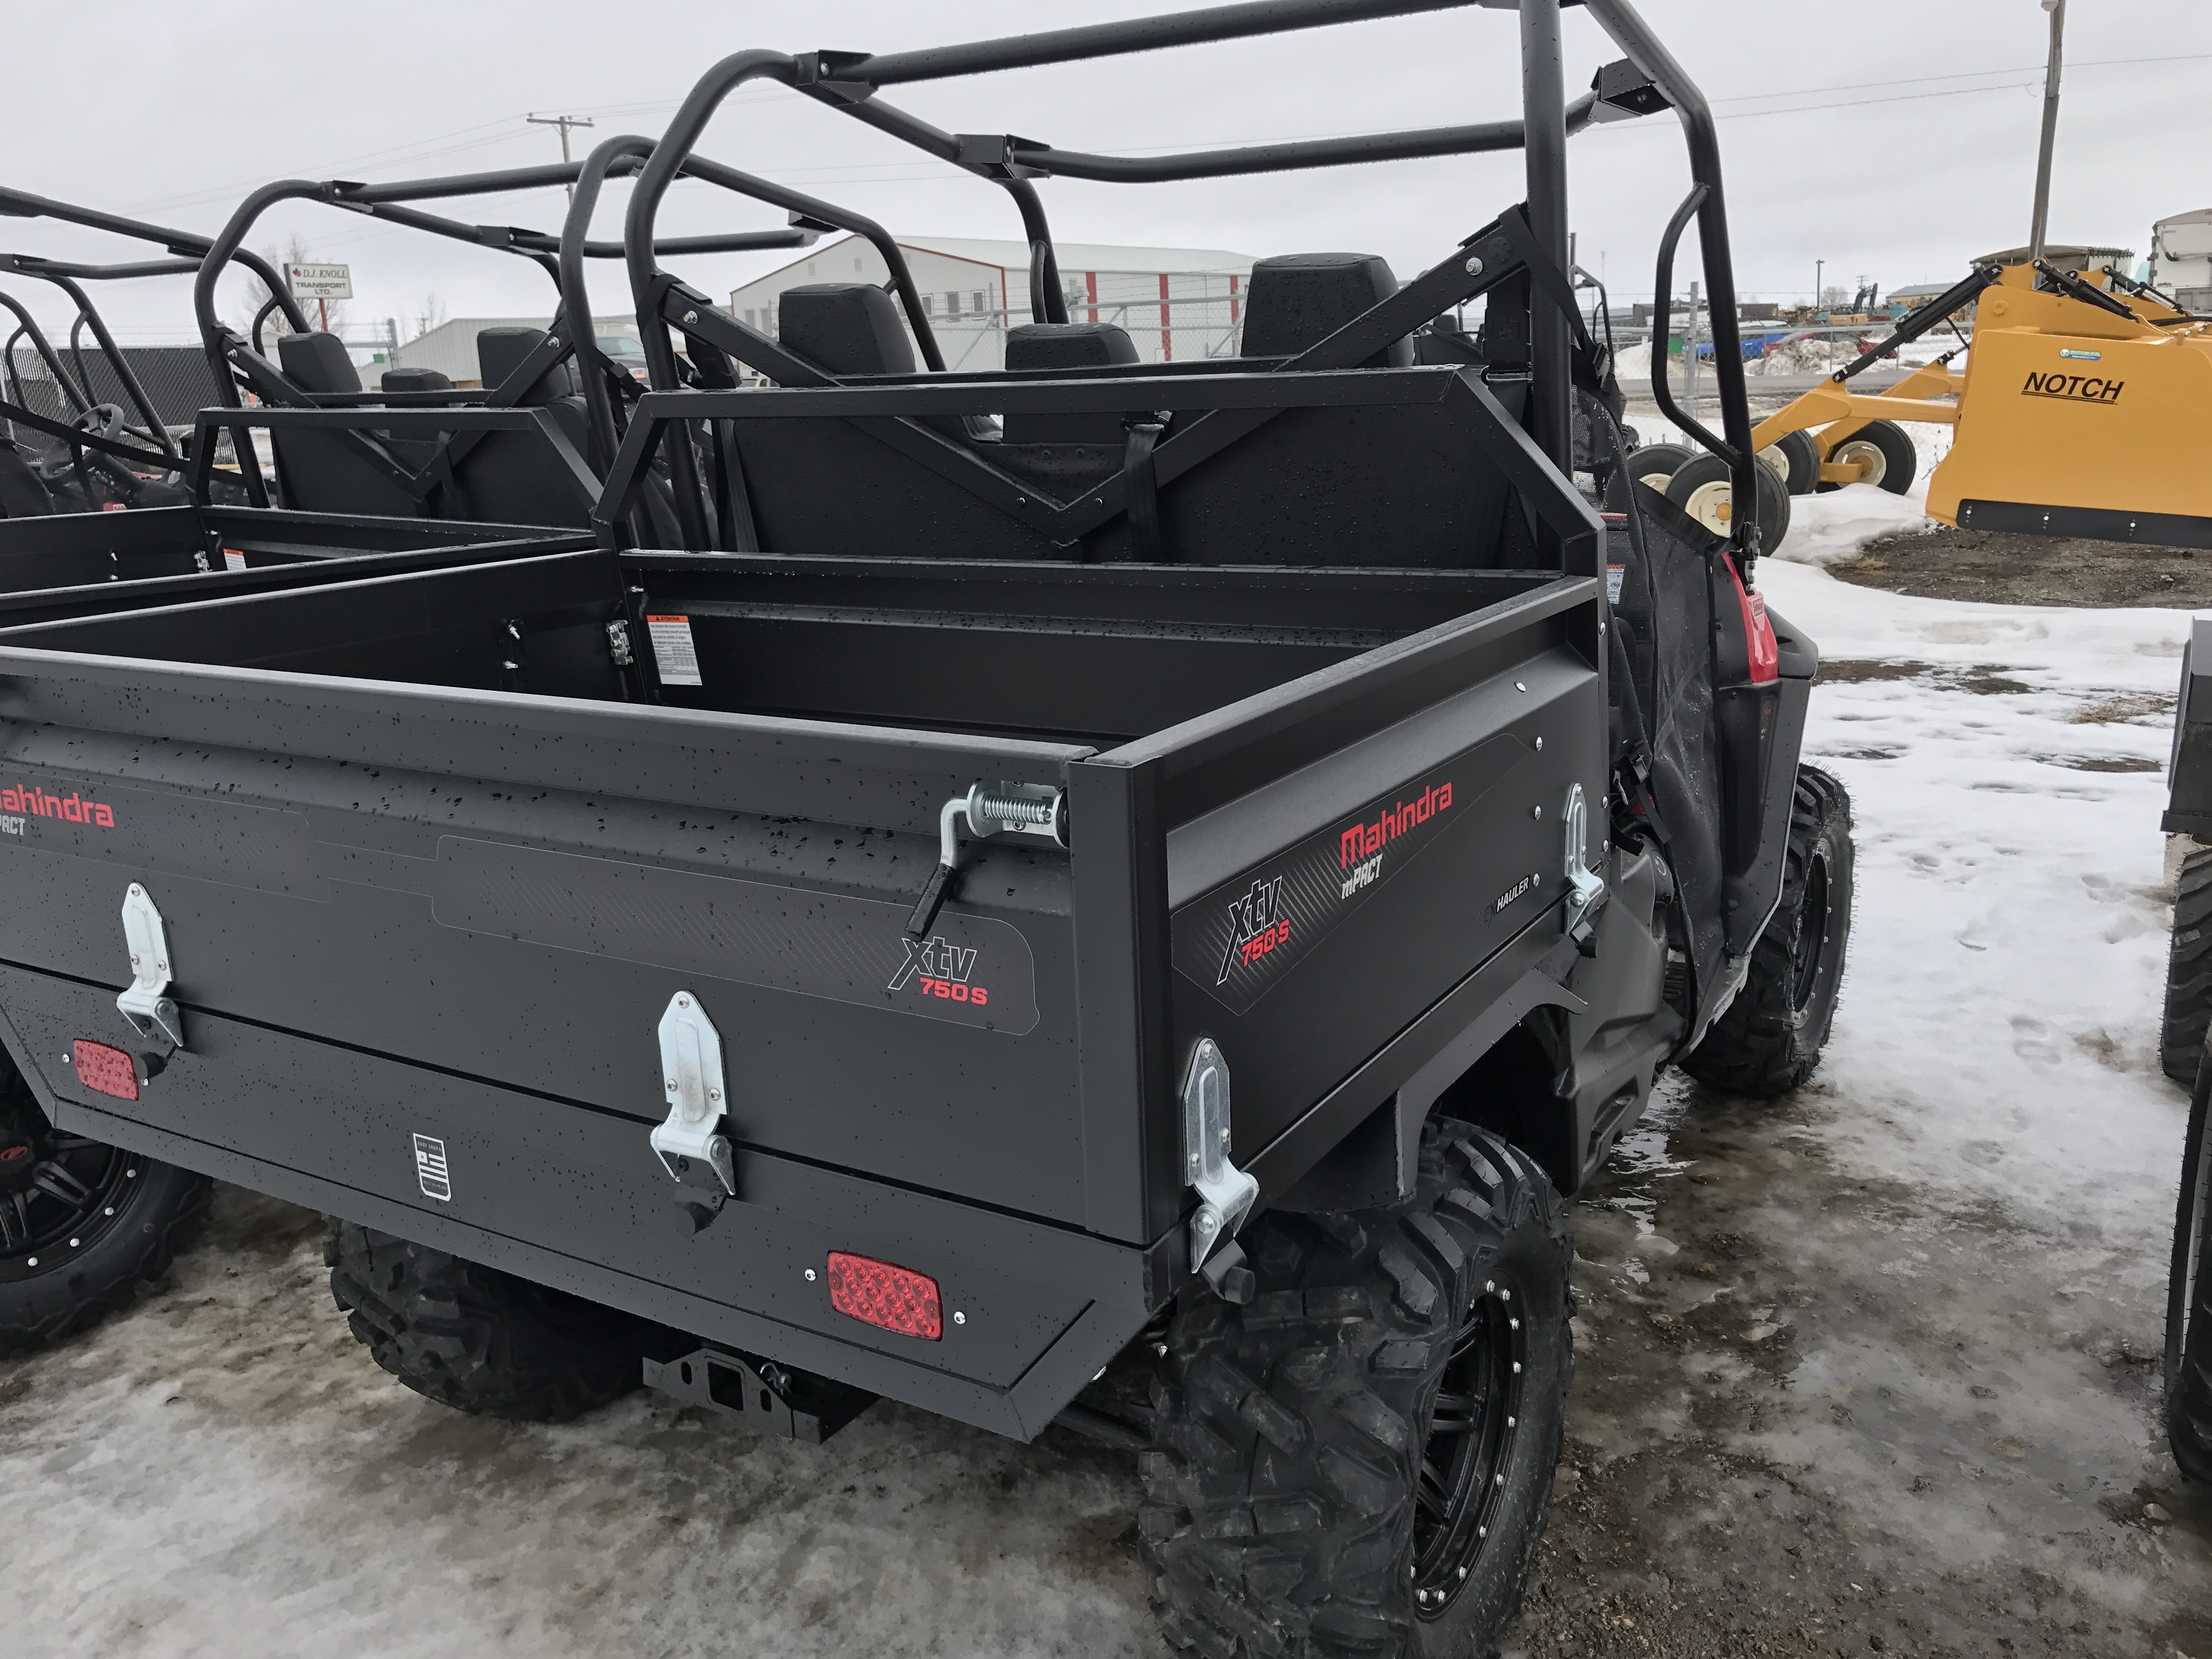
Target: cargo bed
[434, 858]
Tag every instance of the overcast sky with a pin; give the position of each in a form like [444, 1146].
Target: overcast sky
[1895, 139]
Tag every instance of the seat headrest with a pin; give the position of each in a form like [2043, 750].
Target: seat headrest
[844, 328]
[316, 362]
[416, 379]
[1068, 345]
[1298, 300]
[500, 352]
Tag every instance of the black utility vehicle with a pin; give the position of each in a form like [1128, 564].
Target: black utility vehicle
[1106, 860]
[2182, 1042]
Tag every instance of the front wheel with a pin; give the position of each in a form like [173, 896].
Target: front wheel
[1768, 1039]
[82, 1225]
[1360, 1459]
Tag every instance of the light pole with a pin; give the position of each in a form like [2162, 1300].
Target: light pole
[1820, 266]
[563, 122]
[2058, 11]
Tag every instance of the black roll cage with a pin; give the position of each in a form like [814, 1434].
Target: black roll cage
[234, 359]
[186, 251]
[851, 81]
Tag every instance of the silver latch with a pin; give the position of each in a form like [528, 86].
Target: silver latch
[147, 1005]
[1225, 1191]
[1585, 888]
[689, 1144]
[998, 809]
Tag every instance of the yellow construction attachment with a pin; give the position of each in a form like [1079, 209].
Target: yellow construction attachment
[2086, 409]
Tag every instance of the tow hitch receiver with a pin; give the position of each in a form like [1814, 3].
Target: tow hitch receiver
[767, 1398]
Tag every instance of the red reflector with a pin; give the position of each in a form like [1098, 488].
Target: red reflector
[897, 1298]
[109, 1071]
[1757, 632]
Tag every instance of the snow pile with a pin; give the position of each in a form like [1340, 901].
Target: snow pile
[1998, 1035]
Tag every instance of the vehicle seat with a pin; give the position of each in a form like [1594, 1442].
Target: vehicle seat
[512, 477]
[1296, 300]
[22, 495]
[322, 471]
[416, 379]
[1041, 348]
[851, 329]
[500, 352]
[316, 362]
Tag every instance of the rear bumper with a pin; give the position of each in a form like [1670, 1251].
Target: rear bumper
[571, 1196]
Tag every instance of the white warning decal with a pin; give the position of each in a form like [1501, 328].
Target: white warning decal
[233, 559]
[674, 656]
[430, 1169]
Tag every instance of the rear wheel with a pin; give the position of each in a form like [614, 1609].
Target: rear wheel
[477, 1340]
[1884, 450]
[1359, 1460]
[1705, 490]
[1768, 1040]
[82, 1225]
[2189, 1305]
[1652, 466]
[2188, 1014]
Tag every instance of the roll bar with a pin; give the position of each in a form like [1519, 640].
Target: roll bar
[67, 276]
[1650, 80]
[388, 202]
[809, 217]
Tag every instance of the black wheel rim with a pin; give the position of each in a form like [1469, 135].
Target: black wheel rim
[73, 1193]
[1461, 1482]
[1812, 937]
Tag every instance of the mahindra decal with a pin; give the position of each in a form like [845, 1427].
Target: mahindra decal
[2073, 388]
[1240, 938]
[19, 804]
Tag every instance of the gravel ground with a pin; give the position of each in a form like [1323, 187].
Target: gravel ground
[1943, 563]
[1872, 1370]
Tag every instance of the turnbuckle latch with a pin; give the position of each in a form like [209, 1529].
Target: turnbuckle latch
[1225, 1193]
[147, 1005]
[1585, 887]
[689, 1144]
[1002, 808]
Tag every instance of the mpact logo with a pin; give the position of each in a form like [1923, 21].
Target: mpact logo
[36, 802]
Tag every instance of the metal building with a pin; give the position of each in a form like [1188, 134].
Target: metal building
[1176, 302]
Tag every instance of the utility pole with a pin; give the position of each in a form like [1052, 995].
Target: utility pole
[1820, 269]
[563, 122]
[2058, 11]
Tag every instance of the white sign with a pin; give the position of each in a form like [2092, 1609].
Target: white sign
[319, 282]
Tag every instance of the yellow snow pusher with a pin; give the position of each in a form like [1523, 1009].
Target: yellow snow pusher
[2085, 409]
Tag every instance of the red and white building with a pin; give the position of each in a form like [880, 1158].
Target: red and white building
[1176, 302]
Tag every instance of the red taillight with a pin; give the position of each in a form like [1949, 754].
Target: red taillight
[106, 1070]
[1757, 632]
[897, 1298]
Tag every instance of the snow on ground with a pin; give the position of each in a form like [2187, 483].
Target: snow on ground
[2009, 954]
[222, 1471]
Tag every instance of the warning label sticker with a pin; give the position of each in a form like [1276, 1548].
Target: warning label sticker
[233, 559]
[674, 657]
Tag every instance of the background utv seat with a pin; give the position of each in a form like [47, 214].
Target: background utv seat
[512, 477]
[325, 471]
[1043, 347]
[1298, 300]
